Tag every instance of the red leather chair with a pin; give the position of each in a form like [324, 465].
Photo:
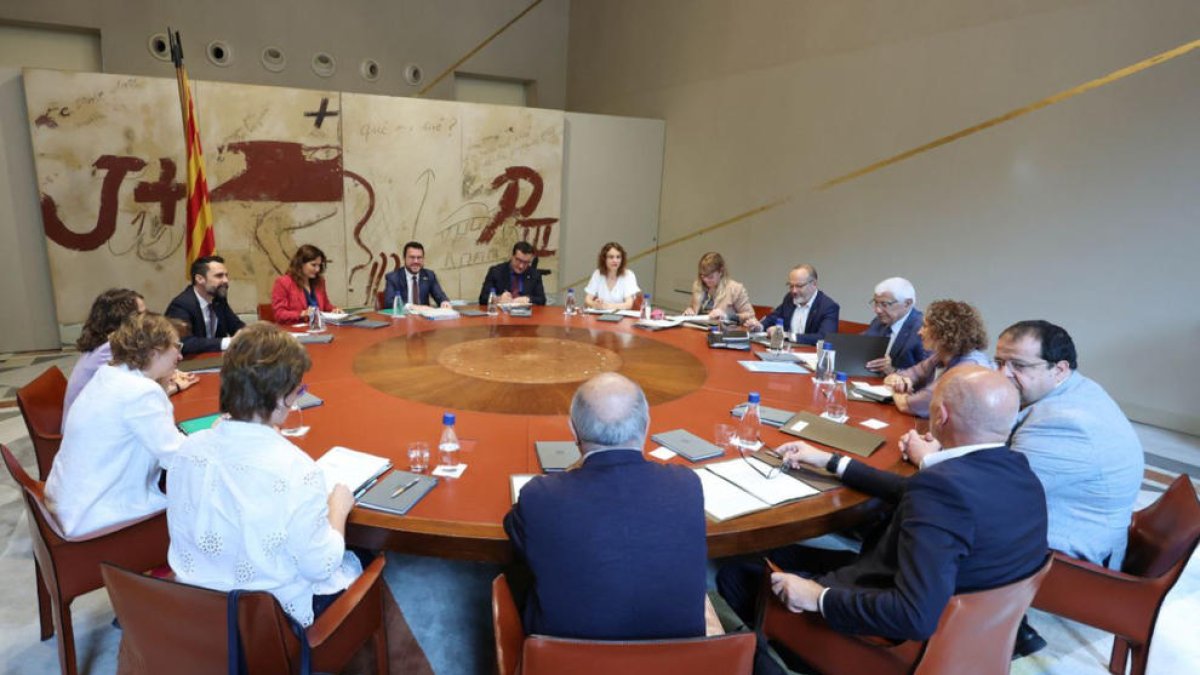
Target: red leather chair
[41, 404]
[1162, 538]
[67, 568]
[266, 312]
[851, 326]
[177, 628]
[975, 634]
[731, 654]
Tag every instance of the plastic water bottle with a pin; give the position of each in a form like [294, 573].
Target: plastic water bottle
[826, 371]
[493, 309]
[448, 443]
[776, 336]
[397, 307]
[646, 310]
[748, 428]
[569, 306]
[316, 322]
[835, 402]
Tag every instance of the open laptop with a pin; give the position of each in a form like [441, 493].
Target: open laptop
[855, 350]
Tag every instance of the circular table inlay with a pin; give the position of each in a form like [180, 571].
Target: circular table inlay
[528, 360]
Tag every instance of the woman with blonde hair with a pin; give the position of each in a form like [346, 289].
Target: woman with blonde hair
[954, 332]
[119, 434]
[300, 292]
[613, 285]
[717, 296]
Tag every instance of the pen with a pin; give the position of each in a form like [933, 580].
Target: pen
[404, 487]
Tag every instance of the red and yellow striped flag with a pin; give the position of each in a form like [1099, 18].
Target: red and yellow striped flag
[200, 239]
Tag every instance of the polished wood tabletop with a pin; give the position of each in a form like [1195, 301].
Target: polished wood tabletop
[510, 382]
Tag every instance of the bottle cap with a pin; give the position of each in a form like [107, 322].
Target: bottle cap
[779, 321]
[570, 290]
[448, 419]
[646, 296]
[753, 397]
[841, 377]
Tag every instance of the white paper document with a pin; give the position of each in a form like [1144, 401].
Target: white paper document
[774, 491]
[351, 468]
[518, 481]
[772, 367]
[450, 471]
[662, 453]
[656, 323]
[809, 360]
[433, 313]
[724, 500]
[873, 423]
[876, 389]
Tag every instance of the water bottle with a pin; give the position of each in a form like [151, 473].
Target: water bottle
[316, 322]
[397, 307]
[835, 401]
[448, 443]
[493, 309]
[748, 428]
[646, 311]
[569, 306]
[826, 372]
[776, 336]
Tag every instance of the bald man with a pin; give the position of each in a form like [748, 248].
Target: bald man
[972, 518]
[616, 546]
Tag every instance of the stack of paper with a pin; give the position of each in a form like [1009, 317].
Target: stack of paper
[733, 488]
[772, 367]
[656, 324]
[356, 470]
[433, 313]
[879, 390]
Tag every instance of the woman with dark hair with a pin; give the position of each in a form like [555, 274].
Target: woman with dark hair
[613, 285]
[717, 296]
[954, 332]
[246, 508]
[109, 310]
[300, 292]
[120, 432]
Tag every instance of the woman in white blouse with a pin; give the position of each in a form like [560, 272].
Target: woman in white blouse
[247, 509]
[119, 434]
[612, 285]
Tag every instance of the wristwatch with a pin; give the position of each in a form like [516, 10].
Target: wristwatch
[832, 464]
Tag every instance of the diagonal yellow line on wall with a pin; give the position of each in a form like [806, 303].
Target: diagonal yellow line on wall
[477, 48]
[908, 154]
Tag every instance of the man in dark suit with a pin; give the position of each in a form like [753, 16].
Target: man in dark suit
[807, 313]
[413, 283]
[972, 518]
[204, 308]
[513, 280]
[616, 546]
[897, 318]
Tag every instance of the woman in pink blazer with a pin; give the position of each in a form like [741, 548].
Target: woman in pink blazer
[302, 290]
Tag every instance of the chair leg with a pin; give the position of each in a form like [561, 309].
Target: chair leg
[1120, 653]
[382, 659]
[45, 613]
[66, 638]
[1141, 654]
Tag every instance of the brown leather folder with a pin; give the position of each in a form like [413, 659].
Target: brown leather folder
[811, 427]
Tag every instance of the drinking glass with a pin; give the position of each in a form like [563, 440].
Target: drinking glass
[418, 456]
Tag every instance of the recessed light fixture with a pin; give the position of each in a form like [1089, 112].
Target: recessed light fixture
[273, 59]
[219, 53]
[159, 46]
[323, 64]
[369, 69]
[413, 74]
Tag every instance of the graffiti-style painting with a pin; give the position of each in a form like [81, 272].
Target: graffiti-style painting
[356, 175]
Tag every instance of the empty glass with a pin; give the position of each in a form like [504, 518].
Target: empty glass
[293, 426]
[418, 456]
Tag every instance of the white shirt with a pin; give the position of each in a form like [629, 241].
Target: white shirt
[247, 509]
[800, 316]
[119, 430]
[626, 286]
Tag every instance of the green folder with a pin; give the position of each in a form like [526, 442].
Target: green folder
[195, 424]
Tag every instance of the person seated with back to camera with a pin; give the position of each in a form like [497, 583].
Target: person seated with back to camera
[953, 331]
[301, 291]
[246, 508]
[612, 285]
[120, 433]
[109, 310]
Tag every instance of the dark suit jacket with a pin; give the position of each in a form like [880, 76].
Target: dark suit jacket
[427, 283]
[617, 549]
[499, 277]
[822, 318]
[186, 308]
[907, 349]
[968, 523]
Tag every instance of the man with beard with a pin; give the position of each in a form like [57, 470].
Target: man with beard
[203, 307]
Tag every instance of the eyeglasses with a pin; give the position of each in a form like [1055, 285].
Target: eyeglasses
[1018, 366]
[799, 286]
[771, 472]
[179, 345]
[881, 304]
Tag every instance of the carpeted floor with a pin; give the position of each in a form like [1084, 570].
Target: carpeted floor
[446, 604]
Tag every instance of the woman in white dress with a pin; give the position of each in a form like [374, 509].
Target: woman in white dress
[119, 434]
[612, 285]
[247, 509]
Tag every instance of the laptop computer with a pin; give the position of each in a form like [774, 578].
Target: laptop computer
[854, 351]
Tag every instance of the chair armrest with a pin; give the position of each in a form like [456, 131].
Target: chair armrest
[509, 631]
[348, 603]
[1087, 593]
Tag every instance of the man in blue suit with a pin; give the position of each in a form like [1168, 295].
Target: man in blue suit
[204, 308]
[897, 317]
[414, 284]
[972, 518]
[616, 546]
[807, 313]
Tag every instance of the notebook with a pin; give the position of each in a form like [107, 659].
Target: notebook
[718, 341]
[191, 426]
[415, 486]
[352, 468]
[307, 339]
[686, 444]
[611, 318]
[203, 363]
[471, 312]
[841, 436]
[517, 481]
[556, 455]
[773, 417]
[365, 323]
[855, 350]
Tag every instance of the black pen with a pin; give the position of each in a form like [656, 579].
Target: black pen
[404, 487]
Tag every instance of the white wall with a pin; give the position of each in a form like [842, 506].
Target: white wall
[1085, 213]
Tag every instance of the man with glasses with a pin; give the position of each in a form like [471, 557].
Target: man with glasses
[514, 281]
[807, 313]
[897, 317]
[1078, 442]
[972, 518]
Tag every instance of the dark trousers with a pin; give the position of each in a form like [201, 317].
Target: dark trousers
[740, 581]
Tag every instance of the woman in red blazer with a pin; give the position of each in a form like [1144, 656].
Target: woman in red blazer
[300, 291]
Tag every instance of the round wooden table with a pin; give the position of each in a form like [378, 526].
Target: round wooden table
[510, 381]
